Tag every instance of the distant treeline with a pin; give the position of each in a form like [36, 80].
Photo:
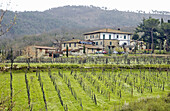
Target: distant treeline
[42, 28]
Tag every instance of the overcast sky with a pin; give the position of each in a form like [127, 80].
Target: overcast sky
[132, 5]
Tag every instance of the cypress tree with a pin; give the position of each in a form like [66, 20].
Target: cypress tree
[67, 51]
[162, 20]
[84, 49]
[168, 21]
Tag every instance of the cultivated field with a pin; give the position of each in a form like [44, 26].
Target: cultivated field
[81, 89]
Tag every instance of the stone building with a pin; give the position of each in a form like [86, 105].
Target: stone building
[99, 40]
[108, 38]
[39, 51]
[76, 46]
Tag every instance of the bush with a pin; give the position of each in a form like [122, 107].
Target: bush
[119, 49]
[158, 52]
[20, 58]
[149, 104]
[147, 51]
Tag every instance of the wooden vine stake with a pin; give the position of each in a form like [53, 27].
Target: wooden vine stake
[132, 92]
[109, 95]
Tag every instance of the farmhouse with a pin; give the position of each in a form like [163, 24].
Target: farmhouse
[104, 39]
[39, 51]
[76, 46]
[108, 38]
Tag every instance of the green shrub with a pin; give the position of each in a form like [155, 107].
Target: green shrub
[149, 104]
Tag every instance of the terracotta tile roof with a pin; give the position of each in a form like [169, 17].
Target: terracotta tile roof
[92, 47]
[75, 50]
[72, 41]
[66, 49]
[107, 31]
[44, 47]
[112, 45]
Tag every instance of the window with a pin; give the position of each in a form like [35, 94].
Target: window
[96, 43]
[86, 37]
[69, 44]
[40, 50]
[74, 44]
[108, 47]
[125, 37]
[109, 37]
[103, 36]
[110, 43]
[117, 36]
[96, 36]
[92, 49]
[46, 51]
[100, 43]
[90, 37]
[64, 44]
[93, 36]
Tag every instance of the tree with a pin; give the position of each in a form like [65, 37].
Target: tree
[5, 25]
[119, 50]
[58, 42]
[162, 21]
[135, 36]
[84, 49]
[149, 26]
[67, 51]
[4, 28]
[166, 29]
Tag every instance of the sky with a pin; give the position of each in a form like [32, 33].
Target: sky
[122, 5]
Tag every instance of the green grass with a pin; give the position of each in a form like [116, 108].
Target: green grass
[51, 94]
[35, 92]
[106, 80]
[44, 66]
[4, 90]
[151, 104]
[19, 90]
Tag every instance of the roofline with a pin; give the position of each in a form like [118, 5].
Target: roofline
[106, 31]
[88, 33]
[72, 41]
[44, 47]
[76, 41]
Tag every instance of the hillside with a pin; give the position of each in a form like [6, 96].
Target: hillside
[42, 28]
[77, 17]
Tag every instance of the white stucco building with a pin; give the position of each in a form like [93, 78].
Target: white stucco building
[109, 37]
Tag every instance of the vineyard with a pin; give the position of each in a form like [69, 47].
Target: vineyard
[80, 89]
[136, 60]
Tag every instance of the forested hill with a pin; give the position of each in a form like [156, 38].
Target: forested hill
[77, 18]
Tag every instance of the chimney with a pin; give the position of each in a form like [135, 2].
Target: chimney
[106, 29]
